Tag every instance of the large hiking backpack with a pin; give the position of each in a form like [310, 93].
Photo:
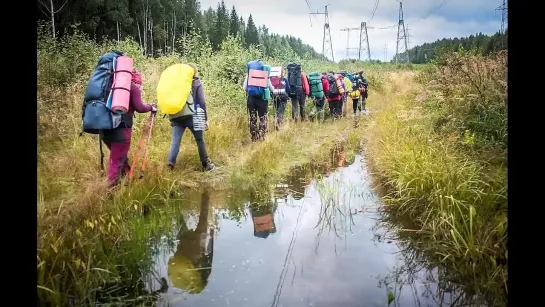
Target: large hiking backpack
[316, 87]
[258, 78]
[279, 87]
[174, 90]
[97, 113]
[354, 94]
[333, 88]
[294, 79]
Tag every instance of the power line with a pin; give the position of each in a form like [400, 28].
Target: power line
[311, 10]
[428, 14]
[374, 10]
[327, 34]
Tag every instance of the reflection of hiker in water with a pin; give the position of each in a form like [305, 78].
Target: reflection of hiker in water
[191, 265]
[263, 217]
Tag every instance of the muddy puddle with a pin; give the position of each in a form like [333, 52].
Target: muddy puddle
[314, 240]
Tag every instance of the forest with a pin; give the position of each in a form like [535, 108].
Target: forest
[484, 44]
[158, 25]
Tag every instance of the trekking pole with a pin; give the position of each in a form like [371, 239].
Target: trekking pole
[275, 101]
[145, 158]
[137, 153]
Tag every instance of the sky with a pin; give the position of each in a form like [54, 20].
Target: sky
[426, 21]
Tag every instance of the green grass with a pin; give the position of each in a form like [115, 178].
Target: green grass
[451, 188]
[447, 176]
[92, 244]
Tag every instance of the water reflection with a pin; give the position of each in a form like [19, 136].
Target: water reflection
[190, 266]
[262, 209]
[300, 262]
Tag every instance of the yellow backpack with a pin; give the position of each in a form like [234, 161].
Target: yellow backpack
[354, 94]
[174, 88]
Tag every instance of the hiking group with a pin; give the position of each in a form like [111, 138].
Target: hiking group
[114, 93]
[263, 83]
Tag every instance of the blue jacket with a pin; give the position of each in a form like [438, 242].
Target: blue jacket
[286, 84]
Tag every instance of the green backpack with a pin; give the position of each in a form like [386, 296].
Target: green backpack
[316, 88]
[267, 91]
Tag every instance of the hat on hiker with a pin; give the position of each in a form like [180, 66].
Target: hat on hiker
[136, 77]
[194, 66]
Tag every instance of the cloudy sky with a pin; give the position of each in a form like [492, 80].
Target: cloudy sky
[444, 18]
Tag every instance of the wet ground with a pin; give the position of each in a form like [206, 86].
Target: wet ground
[314, 241]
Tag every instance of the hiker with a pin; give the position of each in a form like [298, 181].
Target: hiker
[298, 90]
[334, 95]
[256, 102]
[279, 96]
[190, 267]
[355, 95]
[318, 89]
[186, 120]
[118, 140]
[364, 84]
[347, 87]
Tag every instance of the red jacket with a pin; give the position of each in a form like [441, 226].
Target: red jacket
[306, 88]
[325, 85]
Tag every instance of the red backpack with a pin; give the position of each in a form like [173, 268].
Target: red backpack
[276, 82]
[279, 89]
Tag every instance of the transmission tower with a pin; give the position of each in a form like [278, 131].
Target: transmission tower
[503, 9]
[348, 40]
[401, 36]
[364, 41]
[327, 34]
[385, 52]
[364, 37]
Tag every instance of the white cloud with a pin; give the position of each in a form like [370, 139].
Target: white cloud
[290, 17]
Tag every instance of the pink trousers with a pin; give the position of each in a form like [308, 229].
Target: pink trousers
[119, 160]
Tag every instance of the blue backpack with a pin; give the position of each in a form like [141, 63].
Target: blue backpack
[96, 113]
[253, 90]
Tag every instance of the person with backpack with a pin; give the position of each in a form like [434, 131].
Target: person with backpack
[342, 90]
[334, 95]
[191, 120]
[298, 90]
[347, 86]
[113, 93]
[118, 140]
[255, 83]
[355, 95]
[280, 97]
[318, 89]
[364, 85]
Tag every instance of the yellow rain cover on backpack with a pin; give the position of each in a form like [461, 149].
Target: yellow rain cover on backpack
[174, 87]
[354, 94]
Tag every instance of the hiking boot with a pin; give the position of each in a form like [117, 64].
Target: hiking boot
[208, 166]
[170, 166]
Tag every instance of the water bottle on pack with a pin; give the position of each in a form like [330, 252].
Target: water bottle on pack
[199, 122]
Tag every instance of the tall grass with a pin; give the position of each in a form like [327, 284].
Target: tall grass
[442, 152]
[90, 242]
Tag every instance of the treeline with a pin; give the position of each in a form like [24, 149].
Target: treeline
[158, 25]
[485, 44]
